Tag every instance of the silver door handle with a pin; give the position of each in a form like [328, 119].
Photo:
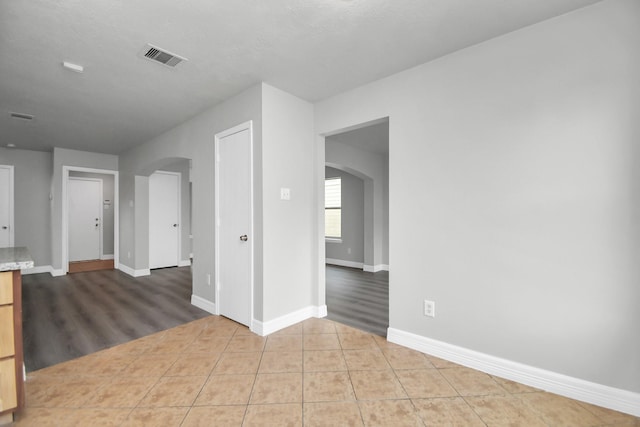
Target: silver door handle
[244, 238]
[175, 225]
[4, 227]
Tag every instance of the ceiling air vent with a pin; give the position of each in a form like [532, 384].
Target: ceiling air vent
[21, 116]
[154, 53]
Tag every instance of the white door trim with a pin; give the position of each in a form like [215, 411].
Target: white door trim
[100, 214]
[179, 195]
[12, 202]
[239, 128]
[65, 213]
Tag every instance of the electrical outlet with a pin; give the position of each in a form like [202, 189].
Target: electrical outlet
[129, 255]
[429, 308]
[209, 279]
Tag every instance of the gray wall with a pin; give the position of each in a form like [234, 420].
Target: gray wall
[182, 167]
[107, 213]
[32, 207]
[514, 167]
[63, 157]
[352, 218]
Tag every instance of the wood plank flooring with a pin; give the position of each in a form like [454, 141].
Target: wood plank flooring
[90, 265]
[77, 314]
[358, 298]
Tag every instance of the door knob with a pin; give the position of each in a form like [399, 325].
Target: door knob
[175, 225]
[244, 238]
[4, 227]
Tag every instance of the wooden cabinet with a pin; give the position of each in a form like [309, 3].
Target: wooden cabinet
[11, 356]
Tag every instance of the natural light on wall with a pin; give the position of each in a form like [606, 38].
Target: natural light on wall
[333, 208]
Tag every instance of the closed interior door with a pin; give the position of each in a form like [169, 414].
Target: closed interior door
[6, 206]
[85, 218]
[233, 237]
[164, 224]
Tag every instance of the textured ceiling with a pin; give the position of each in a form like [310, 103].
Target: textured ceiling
[311, 48]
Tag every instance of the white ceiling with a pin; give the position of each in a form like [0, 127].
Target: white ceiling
[310, 48]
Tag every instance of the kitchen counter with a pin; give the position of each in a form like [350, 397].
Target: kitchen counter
[15, 259]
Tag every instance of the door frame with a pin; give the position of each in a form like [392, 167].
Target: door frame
[239, 128]
[12, 202]
[65, 214]
[100, 215]
[179, 206]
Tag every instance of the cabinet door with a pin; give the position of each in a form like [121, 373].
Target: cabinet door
[6, 287]
[6, 331]
[8, 396]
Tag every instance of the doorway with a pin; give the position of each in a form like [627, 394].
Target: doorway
[85, 219]
[234, 223]
[164, 219]
[6, 206]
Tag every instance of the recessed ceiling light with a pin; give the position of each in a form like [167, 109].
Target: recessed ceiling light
[73, 67]
[21, 116]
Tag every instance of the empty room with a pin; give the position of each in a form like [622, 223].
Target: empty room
[172, 254]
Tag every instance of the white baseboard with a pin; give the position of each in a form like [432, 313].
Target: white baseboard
[37, 270]
[343, 263]
[133, 273]
[204, 304]
[376, 268]
[184, 263]
[107, 256]
[56, 273]
[574, 388]
[271, 326]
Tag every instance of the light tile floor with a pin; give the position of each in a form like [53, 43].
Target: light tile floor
[214, 372]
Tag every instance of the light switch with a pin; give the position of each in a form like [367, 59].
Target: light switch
[285, 194]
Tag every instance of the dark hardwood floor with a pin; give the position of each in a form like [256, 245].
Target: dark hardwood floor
[357, 298]
[77, 314]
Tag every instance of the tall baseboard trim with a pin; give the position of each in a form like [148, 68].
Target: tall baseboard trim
[184, 263]
[133, 273]
[343, 263]
[376, 268]
[204, 304]
[574, 388]
[271, 326]
[38, 269]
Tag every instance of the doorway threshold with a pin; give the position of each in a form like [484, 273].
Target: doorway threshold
[90, 265]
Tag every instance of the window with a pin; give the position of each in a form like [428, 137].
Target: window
[333, 208]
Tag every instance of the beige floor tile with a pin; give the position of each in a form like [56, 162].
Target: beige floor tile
[173, 391]
[469, 382]
[290, 330]
[243, 330]
[71, 392]
[405, 358]
[514, 387]
[238, 363]
[284, 343]
[224, 416]
[121, 392]
[193, 364]
[321, 342]
[441, 363]
[324, 360]
[446, 412]
[219, 329]
[226, 390]
[330, 414]
[106, 417]
[344, 329]
[327, 386]
[106, 366]
[149, 365]
[505, 410]
[281, 361]
[318, 326]
[155, 417]
[277, 388]
[208, 344]
[171, 345]
[425, 383]
[384, 413]
[559, 411]
[249, 343]
[384, 344]
[365, 360]
[357, 342]
[42, 417]
[611, 417]
[370, 385]
[280, 415]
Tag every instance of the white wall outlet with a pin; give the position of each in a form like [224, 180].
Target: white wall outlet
[349, 250]
[429, 308]
[209, 279]
[285, 194]
[129, 254]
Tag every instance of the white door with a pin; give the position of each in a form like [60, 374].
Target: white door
[234, 219]
[164, 223]
[85, 218]
[6, 206]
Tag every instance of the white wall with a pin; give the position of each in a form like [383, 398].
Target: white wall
[32, 208]
[514, 169]
[288, 226]
[351, 247]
